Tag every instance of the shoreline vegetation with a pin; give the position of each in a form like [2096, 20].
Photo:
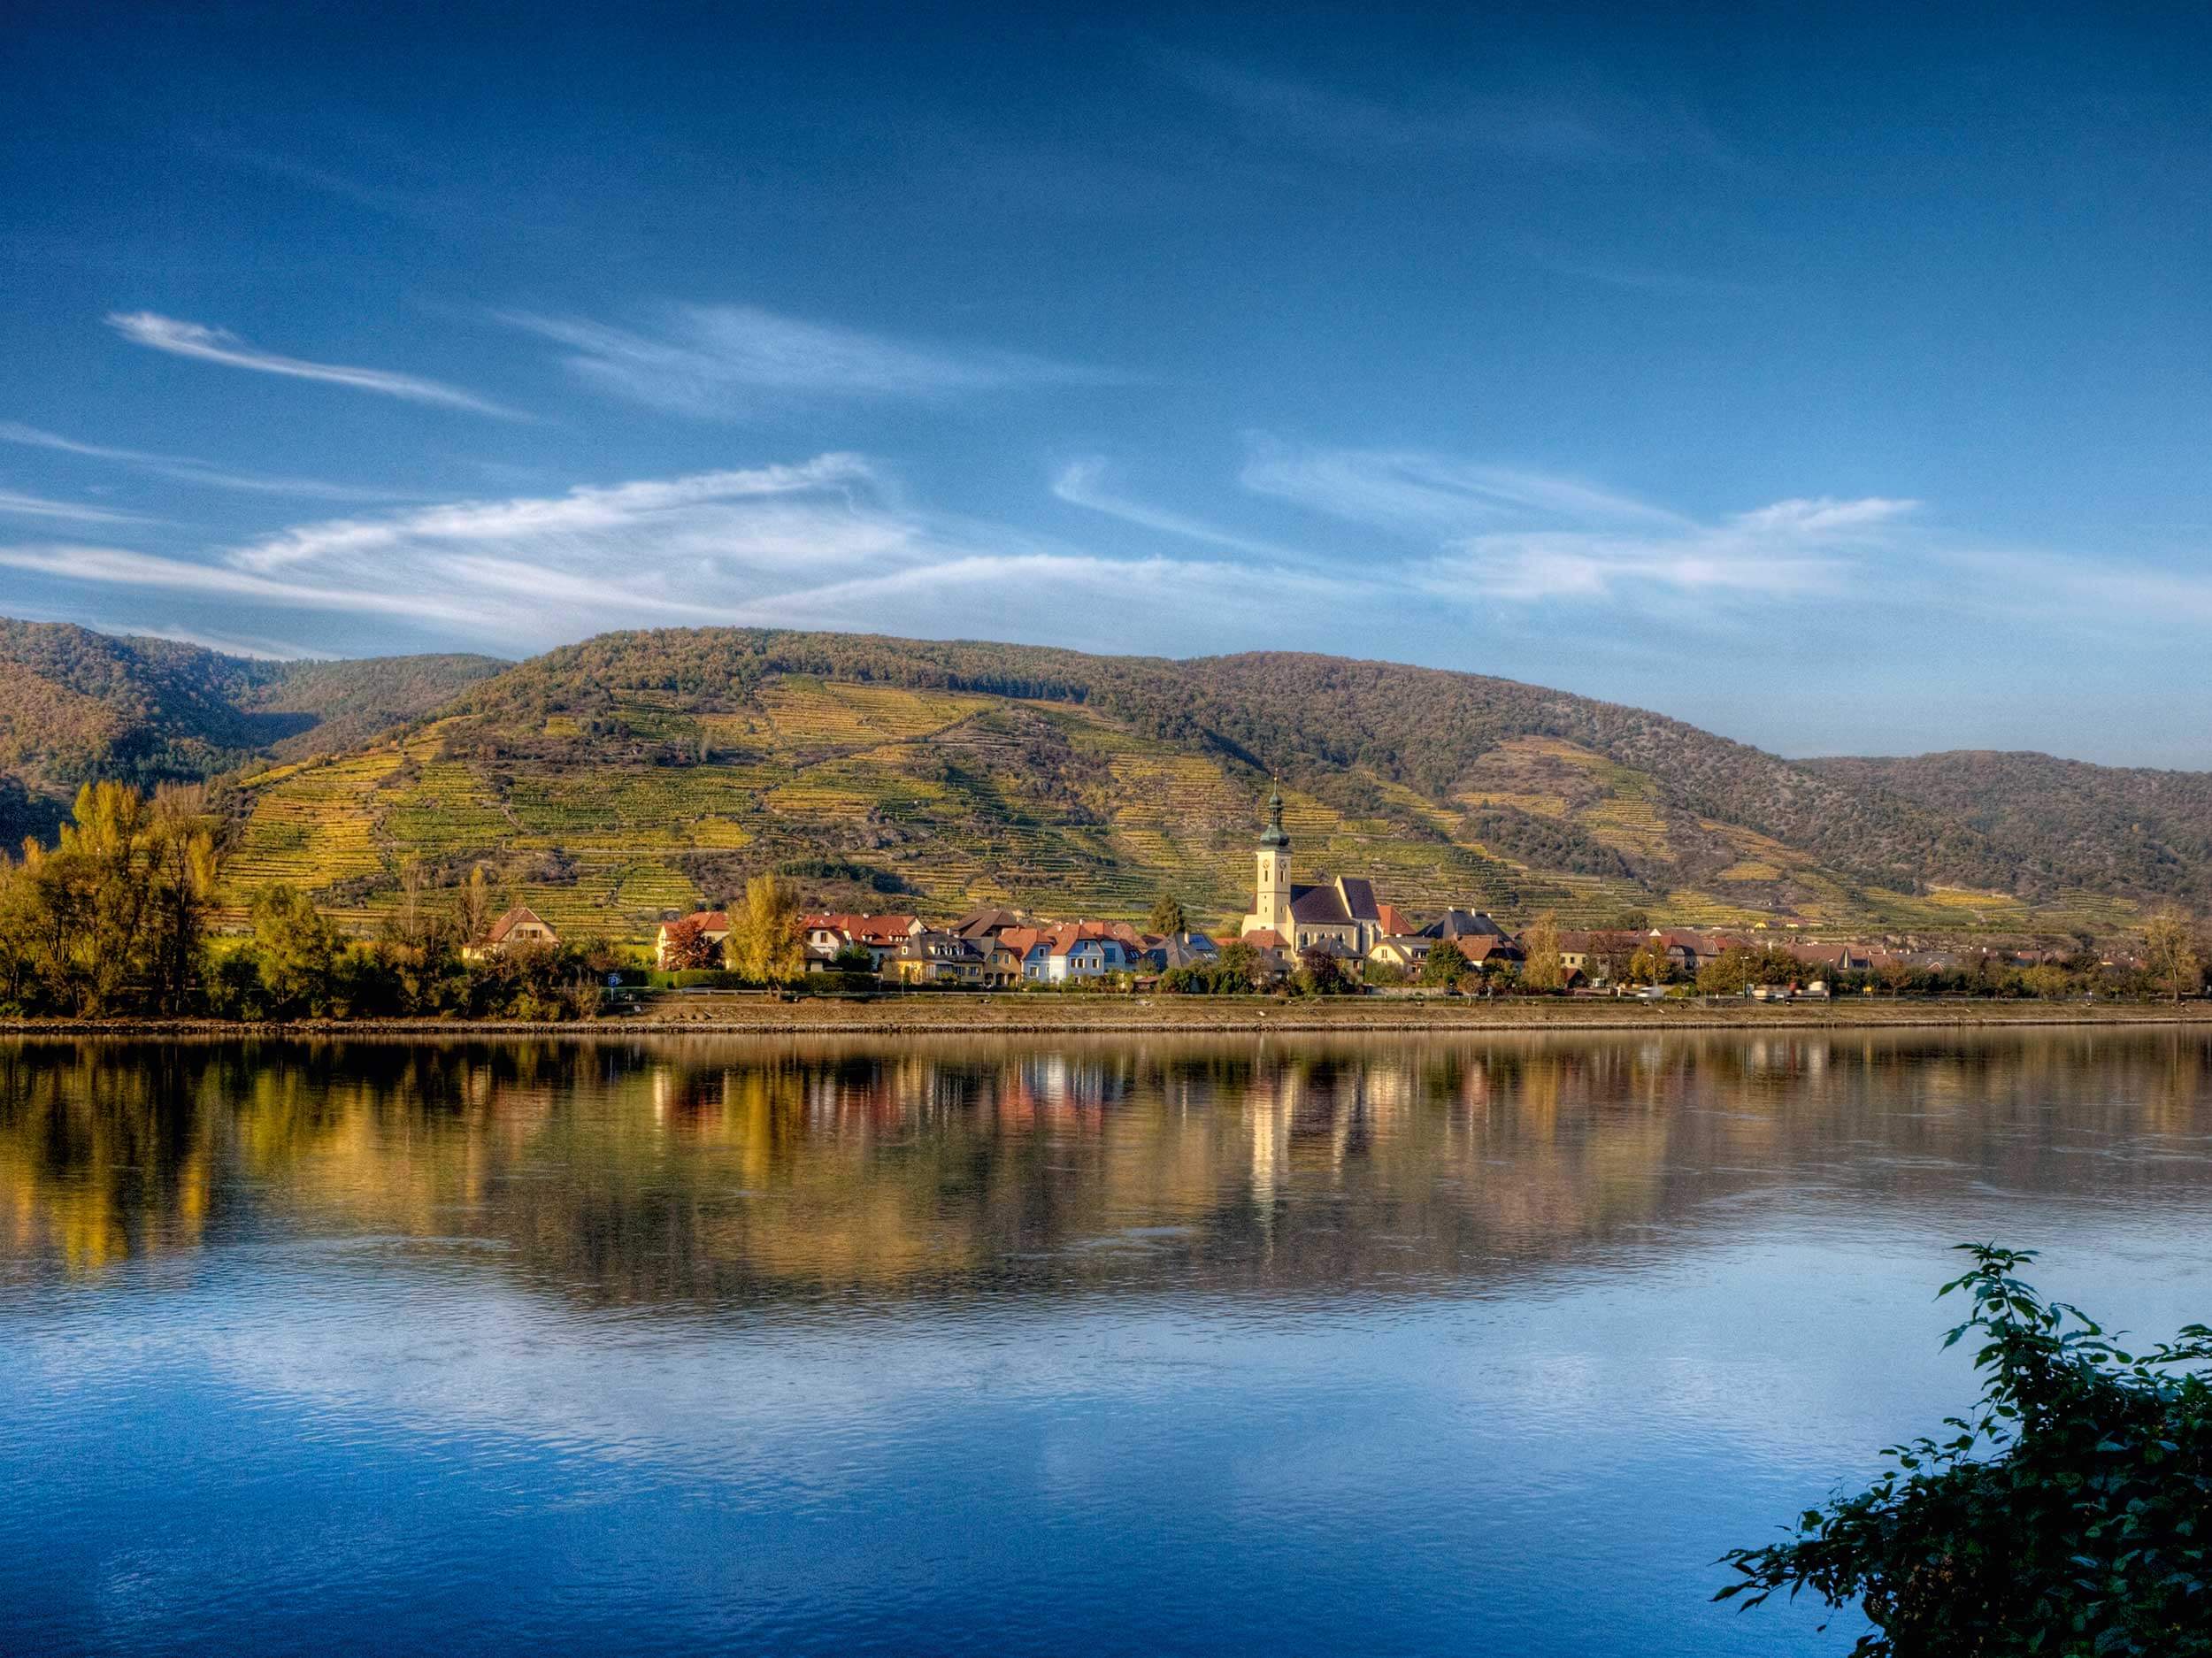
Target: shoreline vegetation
[1016, 1013]
[110, 930]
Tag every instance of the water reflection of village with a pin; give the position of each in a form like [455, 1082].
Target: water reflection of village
[693, 1169]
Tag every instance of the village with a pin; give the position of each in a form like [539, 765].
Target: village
[1335, 934]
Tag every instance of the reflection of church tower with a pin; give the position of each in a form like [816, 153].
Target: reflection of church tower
[1270, 906]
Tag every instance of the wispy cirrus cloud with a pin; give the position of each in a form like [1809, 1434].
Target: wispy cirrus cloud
[828, 542]
[109, 566]
[14, 504]
[1421, 492]
[215, 345]
[833, 541]
[1788, 549]
[1518, 125]
[185, 469]
[251, 645]
[1083, 484]
[1567, 564]
[1500, 532]
[1575, 125]
[720, 361]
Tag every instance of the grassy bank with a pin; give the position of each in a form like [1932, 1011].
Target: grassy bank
[951, 1015]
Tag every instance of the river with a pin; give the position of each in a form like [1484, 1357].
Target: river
[970, 1345]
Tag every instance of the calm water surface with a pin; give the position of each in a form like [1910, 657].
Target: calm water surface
[1061, 1347]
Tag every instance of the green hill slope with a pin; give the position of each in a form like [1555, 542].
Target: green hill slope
[75, 704]
[2062, 823]
[634, 773]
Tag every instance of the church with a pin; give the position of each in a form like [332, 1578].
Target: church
[1343, 917]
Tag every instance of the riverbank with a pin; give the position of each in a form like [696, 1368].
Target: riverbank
[1016, 1014]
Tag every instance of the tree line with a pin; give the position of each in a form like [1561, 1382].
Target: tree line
[112, 921]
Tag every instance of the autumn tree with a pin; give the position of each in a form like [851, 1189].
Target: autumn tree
[764, 944]
[2168, 955]
[414, 882]
[474, 905]
[1650, 965]
[1613, 959]
[1731, 973]
[1543, 969]
[298, 950]
[686, 946]
[180, 877]
[1321, 974]
[101, 853]
[109, 920]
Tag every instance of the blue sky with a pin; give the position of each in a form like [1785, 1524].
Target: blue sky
[1838, 381]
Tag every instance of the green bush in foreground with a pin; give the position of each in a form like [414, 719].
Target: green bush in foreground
[2071, 1515]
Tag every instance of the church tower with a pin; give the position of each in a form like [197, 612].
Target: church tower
[1270, 906]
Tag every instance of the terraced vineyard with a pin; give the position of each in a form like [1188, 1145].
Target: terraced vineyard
[908, 796]
[609, 782]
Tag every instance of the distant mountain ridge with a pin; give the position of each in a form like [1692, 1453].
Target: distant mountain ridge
[635, 773]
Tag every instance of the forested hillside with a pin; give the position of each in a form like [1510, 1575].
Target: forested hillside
[608, 781]
[2061, 822]
[76, 705]
[637, 772]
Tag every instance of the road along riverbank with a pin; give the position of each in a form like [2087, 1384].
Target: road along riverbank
[739, 1013]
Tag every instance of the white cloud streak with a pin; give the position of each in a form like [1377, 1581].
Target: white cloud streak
[1083, 484]
[185, 469]
[829, 542]
[231, 645]
[1415, 491]
[825, 543]
[1510, 533]
[214, 345]
[1567, 564]
[721, 361]
[113, 567]
[14, 504]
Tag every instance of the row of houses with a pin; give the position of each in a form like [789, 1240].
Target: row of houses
[987, 948]
[1344, 917]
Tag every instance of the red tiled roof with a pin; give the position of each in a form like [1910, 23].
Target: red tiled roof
[869, 929]
[1481, 947]
[1073, 932]
[709, 920]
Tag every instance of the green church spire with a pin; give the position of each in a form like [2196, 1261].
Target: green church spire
[1274, 834]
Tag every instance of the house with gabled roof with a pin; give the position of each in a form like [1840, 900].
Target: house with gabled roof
[938, 958]
[1463, 924]
[520, 928]
[987, 923]
[881, 936]
[1406, 952]
[1181, 949]
[1484, 951]
[1077, 952]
